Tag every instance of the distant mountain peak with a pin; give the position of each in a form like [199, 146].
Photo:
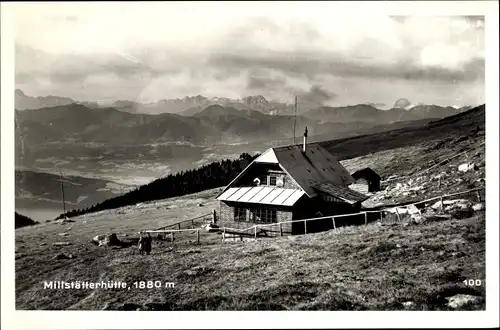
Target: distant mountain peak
[255, 99]
[402, 103]
[25, 102]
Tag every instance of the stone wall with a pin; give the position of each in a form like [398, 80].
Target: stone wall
[226, 219]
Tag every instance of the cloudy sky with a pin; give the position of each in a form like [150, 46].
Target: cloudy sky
[147, 52]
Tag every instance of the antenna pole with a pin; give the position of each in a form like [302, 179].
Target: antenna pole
[294, 120]
[62, 190]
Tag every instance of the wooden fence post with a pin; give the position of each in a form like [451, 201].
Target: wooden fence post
[255, 232]
[179, 226]
[366, 218]
[333, 220]
[381, 215]
[223, 234]
[305, 226]
[397, 213]
[198, 236]
[281, 230]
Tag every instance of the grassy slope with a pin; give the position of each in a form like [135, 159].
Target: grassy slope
[348, 268]
[371, 267]
[449, 132]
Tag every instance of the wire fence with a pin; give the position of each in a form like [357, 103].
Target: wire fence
[189, 223]
[188, 230]
[300, 226]
[311, 225]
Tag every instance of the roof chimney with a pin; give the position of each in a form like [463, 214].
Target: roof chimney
[305, 141]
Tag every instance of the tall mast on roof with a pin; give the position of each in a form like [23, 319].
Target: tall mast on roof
[62, 190]
[294, 120]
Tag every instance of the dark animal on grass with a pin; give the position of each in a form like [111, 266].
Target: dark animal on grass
[144, 244]
[147, 244]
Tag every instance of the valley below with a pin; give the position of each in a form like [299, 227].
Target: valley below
[116, 168]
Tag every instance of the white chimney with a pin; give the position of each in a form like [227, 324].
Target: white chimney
[305, 141]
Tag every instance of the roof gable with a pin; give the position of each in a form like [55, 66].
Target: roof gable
[267, 157]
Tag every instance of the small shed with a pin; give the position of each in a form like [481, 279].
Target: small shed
[367, 180]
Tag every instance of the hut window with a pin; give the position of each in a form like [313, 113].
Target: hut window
[240, 214]
[272, 180]
[263, 215]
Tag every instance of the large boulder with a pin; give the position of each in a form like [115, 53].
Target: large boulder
[478, 207]
[417, 218]
[65, 220]
[210, 227]
[453, 204]
[106, 240]
[466, 167]
[412, 209]
[461, 300]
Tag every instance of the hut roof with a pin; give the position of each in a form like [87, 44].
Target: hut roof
[262, 195]
[341, 192]
[367, 173]
[314, 166]
[307, 169]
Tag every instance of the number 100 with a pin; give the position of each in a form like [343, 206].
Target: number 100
[472, 282]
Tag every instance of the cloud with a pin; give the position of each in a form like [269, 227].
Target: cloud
[317, 96]
[175, 51]
[404, 49]
[313, 66]
[259, 82]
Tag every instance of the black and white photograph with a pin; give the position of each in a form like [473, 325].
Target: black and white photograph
[249, 156]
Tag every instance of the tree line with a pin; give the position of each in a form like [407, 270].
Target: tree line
[209, 176]
[23, 221]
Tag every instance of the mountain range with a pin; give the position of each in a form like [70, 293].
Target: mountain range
[186, 106]
[191, 105]
[25, 102]
[213, 124]
[368, 113]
